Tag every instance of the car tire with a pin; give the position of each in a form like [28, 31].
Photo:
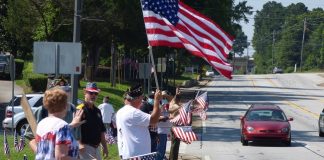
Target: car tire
[244, 142]
[22, 126]
[288, 142]
[321, 134]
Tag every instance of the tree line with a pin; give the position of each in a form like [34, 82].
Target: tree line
[287, 37]
[104, 24]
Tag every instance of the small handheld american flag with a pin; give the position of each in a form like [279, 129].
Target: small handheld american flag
[184, 133]
[5, 144]
[149, 156]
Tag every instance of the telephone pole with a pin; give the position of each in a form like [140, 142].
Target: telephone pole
[272, 50]
[76, 39]
[302, 47]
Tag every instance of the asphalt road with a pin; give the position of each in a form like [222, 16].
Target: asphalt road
[299, 95]
[6, 95]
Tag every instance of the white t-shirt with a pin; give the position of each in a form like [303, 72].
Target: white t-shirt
[133, 135]
[107, 112]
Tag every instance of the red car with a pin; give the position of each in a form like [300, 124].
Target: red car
[263, 122]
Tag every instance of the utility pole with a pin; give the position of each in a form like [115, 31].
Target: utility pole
[302, 47]
[76, 39]
[273, 43]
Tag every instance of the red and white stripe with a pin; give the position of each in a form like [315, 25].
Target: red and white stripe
[195, 32]
[186, 135]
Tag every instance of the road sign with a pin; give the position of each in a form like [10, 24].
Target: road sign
[57, 57]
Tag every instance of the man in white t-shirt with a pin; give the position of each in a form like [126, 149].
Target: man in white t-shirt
[107, 112]
[133, 135]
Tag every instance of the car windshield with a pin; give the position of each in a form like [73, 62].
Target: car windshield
[266, 115]
[16, 101]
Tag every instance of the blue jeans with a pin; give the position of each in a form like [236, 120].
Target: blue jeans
[161, 146]
[154, 137]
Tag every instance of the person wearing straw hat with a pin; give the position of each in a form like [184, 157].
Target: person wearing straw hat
[92, 132]
[132, 123]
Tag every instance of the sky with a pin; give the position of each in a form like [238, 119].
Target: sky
[258, 4]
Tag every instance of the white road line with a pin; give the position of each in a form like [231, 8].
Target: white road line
[207, 157]
[204, 126]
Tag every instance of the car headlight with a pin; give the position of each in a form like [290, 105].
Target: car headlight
[250, 129]
[285, 130]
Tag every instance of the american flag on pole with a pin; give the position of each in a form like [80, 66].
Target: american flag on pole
[202, 101]
[5, 144]
[176, 120]
[16, 141]
[185, 113]
[22, 143]
[174, 24]
[184, 133]
[149, 156]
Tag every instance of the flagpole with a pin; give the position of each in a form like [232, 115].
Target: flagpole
[153, 65]
[201, 123]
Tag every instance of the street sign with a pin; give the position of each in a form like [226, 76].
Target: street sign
[145, 70]
[57, 57]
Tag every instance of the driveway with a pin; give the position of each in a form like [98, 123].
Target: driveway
[6, 95]
[6, 91]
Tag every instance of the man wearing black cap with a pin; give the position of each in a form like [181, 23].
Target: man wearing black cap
[92, 132]
[133, 135]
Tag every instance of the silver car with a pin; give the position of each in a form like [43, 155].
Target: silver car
[19, 121]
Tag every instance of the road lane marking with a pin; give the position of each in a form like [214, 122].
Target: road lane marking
[251, 79]
[207, 157]
[315, 115]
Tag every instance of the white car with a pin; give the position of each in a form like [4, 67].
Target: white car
[19, 121]
[210, 73]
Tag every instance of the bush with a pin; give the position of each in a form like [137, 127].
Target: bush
[37, 82]
[19, 67]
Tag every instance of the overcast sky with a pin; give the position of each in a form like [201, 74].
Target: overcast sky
[258, 4]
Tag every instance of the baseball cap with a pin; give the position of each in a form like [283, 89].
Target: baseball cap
[92, 87]
[134, 92]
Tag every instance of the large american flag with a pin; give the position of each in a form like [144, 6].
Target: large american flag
[174, 24]
[184, 133]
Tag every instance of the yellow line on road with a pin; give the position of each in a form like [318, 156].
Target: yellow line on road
[251, 81]
[315, 115]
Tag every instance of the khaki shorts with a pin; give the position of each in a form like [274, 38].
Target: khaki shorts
[90, 153]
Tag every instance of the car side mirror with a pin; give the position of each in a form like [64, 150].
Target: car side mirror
[241, 117]
[290, 119]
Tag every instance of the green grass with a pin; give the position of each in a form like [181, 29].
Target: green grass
[14, 155]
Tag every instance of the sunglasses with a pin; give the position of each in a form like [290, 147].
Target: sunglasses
[93, 93]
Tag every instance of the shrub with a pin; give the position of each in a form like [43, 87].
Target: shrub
[37, 82]
[19, 67]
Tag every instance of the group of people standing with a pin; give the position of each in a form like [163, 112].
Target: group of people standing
[68, 132]
[144, 125]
